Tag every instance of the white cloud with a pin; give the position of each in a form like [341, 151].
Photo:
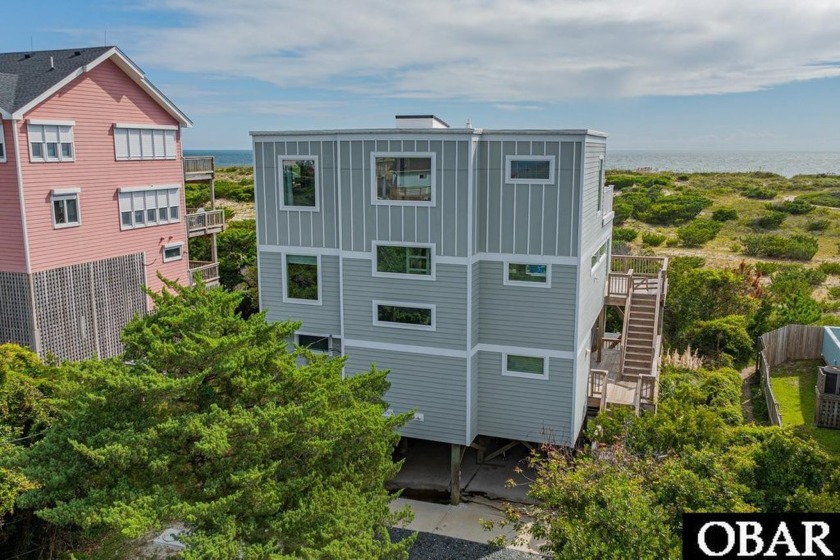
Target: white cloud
[502, 51]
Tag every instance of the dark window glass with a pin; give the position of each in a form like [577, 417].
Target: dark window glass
[404, 260]
[302, 277]
[405, 315]
[527, 273]
[526, 364]
[404, 178]
[299, 187]
[530, 169]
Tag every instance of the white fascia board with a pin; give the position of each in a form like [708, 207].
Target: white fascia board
[147, 188]
[50, 122]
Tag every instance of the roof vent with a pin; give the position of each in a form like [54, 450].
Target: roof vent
[52, 64]
[77, 53]
[420, 121]
[27, 55]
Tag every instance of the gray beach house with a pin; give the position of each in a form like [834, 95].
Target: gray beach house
[474, 264]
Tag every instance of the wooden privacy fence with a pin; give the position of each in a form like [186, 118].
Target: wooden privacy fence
[791, 342]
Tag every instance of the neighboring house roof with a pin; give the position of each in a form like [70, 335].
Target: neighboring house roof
[29, 78]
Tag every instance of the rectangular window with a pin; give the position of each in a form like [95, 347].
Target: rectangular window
[525, 274]
[172, 252]
[525, 366]
[65, 208]
[320, 343]
[529, 169]
[402, 259]
[299, 180]
[2, 144]
[404, 315]
[50, 141]
[599, 254]
[404, 178]
[602, 179]
[302, 278]
[143, 142]
[148, 207]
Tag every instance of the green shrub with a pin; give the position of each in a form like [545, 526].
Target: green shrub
[759, 192]
[725, 214]
[830, 268]
[834, 292]
[626, 180]
[825, 198]
[766, 268]
[797, 278]
[234, 190]
[622, 209]
[196, 195]
[625, 234]
[652, 239]
[795, 207]
[672, 242]
[725, 335]
[698, 232]
[674, 209]
[797, 247]
[769, 220]
[817, 225]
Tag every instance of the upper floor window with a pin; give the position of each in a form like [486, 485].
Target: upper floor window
[599, 254]
[65, 207]
[303, 279]
[602, 182]
[407, 178]
[409, 260]
[524, 274]
[404, 315]
[139, 141]
[326, 344]
[299, 176]
[2, 144]
[51, 140]
[535, 367]
[529, 169]
[143, 207]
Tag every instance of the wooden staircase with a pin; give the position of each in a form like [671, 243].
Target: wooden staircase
[640, 336]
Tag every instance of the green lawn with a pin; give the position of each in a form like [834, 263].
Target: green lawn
[793, 385]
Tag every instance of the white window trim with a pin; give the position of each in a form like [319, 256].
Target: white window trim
[508, 373]
[508, 282]
[3, 156]
[603, 258]
[377, 323]
[59, 157]
[434, 170]
[602, 183]
[551, 170]
[318, 335]
[432, 257]
[163, 128]
[286, 298]
[179, 245]
[283, 205]
[147, 126]
[66, 194]
[146, 224]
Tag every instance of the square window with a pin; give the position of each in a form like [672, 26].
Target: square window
[163, 214]
[65, 208]
[138, 217]
[302, 277]
[52, 150]
[529, 169]
[404, 315]
[404, 178]
[527, 274]
[525, 366]
[401, 259]
[299, 182]
[173, 213]
[172, 252]
[126, 219]
[66, 150]
[37, 150]
[151, 215]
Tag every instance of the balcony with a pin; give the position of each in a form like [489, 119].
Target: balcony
[204, 222]
[207, 271]
[201, 168]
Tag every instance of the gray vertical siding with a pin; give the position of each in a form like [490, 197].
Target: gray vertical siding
[432, 385]
[527, 219]
[592, 227]
[525, 409]
[324, 318]
[448, 292]
[527, 316]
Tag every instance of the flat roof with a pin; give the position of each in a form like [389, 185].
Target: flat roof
[442, 131]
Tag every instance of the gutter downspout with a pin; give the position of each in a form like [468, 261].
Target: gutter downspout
[36, 334]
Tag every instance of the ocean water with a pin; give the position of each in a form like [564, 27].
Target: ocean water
[783, 163]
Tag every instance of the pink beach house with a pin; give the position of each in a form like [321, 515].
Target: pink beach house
[91, 198]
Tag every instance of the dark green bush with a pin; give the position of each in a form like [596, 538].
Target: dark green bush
[674, 209]
[770, 220]
[825, 198]
[652, 239]
[196, 195]
[830, 268]
[233, 190]
[625, 234]
[817, 225]
[759, 192]
[725, 335]
[622, 209]
[797, 247]
[765, 268]
[795, 207]
[725, 214]
[698, 232]
[626, 180]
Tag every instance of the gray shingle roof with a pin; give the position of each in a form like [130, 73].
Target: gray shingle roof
[26, 75]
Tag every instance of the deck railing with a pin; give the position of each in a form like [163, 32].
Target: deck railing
[208, 272]
[639, 265]
[608, 200]
[199, 221]
[199, 164]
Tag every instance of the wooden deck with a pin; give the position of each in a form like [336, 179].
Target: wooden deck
[619, 391]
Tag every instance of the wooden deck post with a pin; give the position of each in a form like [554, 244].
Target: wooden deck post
[455, 474]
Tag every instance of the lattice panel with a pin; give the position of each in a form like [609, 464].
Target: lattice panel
[828, 412]
[83, 308]
[15, 309]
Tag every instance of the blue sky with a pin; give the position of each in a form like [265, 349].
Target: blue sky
[654, 74]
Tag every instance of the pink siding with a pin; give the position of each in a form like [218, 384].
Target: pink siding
[95, 101]
[11, 230]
